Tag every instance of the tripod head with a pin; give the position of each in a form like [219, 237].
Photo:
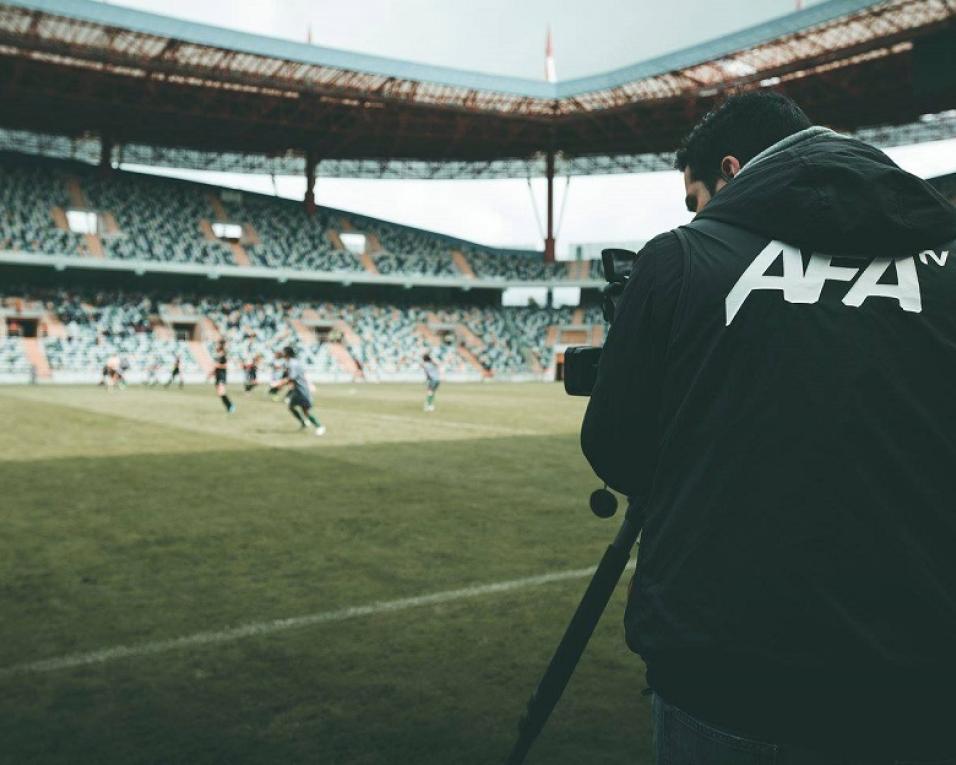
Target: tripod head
[603, 503]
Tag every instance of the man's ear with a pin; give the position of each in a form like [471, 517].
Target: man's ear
[729, 167]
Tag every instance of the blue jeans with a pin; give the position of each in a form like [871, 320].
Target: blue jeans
[680, 739]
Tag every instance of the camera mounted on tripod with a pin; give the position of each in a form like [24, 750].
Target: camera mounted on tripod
[581, 362]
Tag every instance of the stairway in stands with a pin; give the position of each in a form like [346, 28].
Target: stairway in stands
[239, 253]
[201, 356]
[33, 350]
[92, 244]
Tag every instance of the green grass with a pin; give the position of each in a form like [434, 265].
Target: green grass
[149, 514]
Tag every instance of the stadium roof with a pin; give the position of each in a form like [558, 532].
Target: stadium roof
[173, 92]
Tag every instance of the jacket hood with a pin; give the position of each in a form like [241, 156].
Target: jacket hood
[824, 192]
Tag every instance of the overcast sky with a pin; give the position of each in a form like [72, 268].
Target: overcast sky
[506, 37]
[498, 36]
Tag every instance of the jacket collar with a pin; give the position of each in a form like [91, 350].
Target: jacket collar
[789, 142]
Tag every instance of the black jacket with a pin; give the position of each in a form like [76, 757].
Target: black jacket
[779, 388]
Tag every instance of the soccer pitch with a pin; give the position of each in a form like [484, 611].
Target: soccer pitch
[179, 585]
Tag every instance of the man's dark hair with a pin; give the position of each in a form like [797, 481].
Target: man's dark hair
[742, 126]
[289, 352]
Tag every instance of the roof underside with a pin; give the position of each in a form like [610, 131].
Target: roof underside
[170, 92]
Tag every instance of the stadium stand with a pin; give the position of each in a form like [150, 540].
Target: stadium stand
[98, 326]
[515, 268]
[278, 234]
[144, 218]
[154, 219]
[32, 201]
[12, 358]
[340, 340]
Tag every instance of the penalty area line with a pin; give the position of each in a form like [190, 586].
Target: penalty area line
[256, 629]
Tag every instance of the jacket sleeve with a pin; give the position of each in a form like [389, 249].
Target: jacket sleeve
[621, 430]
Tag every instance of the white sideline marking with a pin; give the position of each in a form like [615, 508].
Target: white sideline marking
[256, 629]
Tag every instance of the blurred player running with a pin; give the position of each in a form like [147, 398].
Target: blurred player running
[176, 373]
[432, 381]
[111, 373]
[300, 396]
[278, 374]
[252, 372]
[219, 370]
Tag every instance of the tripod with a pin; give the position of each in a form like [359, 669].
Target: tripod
[579, 631]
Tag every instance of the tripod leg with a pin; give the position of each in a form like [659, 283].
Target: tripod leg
[577, 635]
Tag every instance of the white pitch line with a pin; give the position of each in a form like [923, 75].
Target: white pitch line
[257, 629]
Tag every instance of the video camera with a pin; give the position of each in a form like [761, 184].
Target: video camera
[581, 362]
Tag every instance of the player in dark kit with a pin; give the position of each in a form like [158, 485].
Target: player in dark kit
[300, 395]
[219, 371]
[252, 372]
[176, 373]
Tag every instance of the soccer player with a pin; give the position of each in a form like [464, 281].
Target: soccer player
[432, 381]
[278, 374]
[111, 372]
[176, 373]
[124, 367]
[252, 372]
[219, 370]
[300, 396]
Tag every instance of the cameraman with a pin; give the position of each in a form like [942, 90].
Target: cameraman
[777, 390]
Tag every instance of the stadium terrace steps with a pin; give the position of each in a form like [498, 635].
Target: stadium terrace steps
[208, 330]
[578, 316]
[52, 326]
[93, 246]
[348, 334]
[206, 228]
[201, 356]
[373, 244]
[368, 263]
[59, 218]
[469, 356]
[36, 356]
[469, 338]
[218, 210]
[462, 264]
[249, 235]
[109, 223]
[77, 196]
[574, 335]
[533, 361]
[161, 331]
[306, 336]
[597, 334]
[427, 334]
[239, 254]
[551, 338]
[344, 359]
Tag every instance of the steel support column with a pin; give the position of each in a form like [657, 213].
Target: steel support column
[311, 162]
[549, 238]
[106, 153]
